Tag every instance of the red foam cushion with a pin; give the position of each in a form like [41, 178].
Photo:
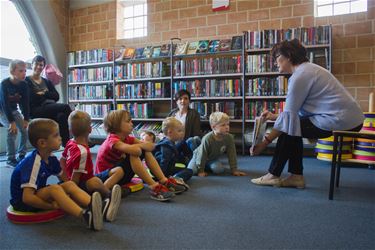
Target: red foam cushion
[33, 217]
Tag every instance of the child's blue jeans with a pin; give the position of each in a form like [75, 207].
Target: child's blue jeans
[11, 137]
[214, 166]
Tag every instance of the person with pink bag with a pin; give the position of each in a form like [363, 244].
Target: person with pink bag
[44, 97]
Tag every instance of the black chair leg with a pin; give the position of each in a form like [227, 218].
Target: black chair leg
[333, 169]
[339, 161]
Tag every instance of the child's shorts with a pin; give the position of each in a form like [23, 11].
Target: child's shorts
[82, 185]
[22, 207]
[125, 165]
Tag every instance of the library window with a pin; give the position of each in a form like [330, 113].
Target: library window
[133, 19]
[16, 41]
[339, 7]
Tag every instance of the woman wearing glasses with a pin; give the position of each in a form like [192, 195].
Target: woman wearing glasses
[316, 104]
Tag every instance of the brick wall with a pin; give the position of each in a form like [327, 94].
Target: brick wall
[353, 35]
[61, 10]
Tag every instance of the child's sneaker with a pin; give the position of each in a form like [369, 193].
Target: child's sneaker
[174, 187]
[12, 162]
[181, 181]
[111, 204]
[93, 214]
[161, 193]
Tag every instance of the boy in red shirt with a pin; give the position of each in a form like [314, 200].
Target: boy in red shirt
[121, 149]
[77, 162]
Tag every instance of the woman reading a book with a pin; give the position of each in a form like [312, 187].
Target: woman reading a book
[316, 104]
[44, 97]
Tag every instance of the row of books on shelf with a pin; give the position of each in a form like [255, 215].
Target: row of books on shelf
[90, 56]
[320, 57]
[253, 40]
[210, 87]
[91, 92]
[207, 66]
[95, 110]
[154, 127]
[268, 38]
[90, 74]
[142, 70]
[255, 108]
[137, 110]
[232, 109]
[97, 129]
[255, 64]
[260, 63]
[143, 90]
[262, 86]
[198, 66]
[182, 48]
[266, 86]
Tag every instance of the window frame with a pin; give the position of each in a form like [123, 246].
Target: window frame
[334, 3]
[125, 32]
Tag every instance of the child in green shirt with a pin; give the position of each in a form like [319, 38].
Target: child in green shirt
[214, 144]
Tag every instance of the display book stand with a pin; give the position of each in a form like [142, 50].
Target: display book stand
[96, 86]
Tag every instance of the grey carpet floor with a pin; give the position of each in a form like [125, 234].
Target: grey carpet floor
[221, 212]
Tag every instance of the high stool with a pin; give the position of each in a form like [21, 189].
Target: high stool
[337, 153]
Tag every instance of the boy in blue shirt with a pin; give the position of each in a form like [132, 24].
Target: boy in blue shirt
[13, 93]
[28, 185]
[168, 154]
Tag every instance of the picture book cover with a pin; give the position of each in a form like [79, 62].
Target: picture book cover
[147, 52]
[156, 51]
[164, 50]
[181, 48]
[213, 46]
[258, 132]
[225, 44]
[192, 49]
[139, 53]
[202, 46]
[236, 43]
[128, 53]
[119, 53]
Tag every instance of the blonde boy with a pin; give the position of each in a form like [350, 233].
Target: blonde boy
[214, 144]
[168, 154]
[122, 149]
[29, 189]
[76, 160]
[14, 93]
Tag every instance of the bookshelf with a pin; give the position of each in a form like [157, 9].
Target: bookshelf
[241, 81]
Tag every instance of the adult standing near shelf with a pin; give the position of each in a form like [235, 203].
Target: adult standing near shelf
[190, 118]
[44, 97]
[316, 104]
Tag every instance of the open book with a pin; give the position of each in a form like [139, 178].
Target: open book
[259, 131]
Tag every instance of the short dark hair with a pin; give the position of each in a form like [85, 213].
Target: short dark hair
[293, 50]
[39, 58]
[180, 93]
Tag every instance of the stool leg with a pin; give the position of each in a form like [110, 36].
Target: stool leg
[333, 168]
[339, 161]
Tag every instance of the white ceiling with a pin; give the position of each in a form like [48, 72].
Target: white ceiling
[78, 4]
